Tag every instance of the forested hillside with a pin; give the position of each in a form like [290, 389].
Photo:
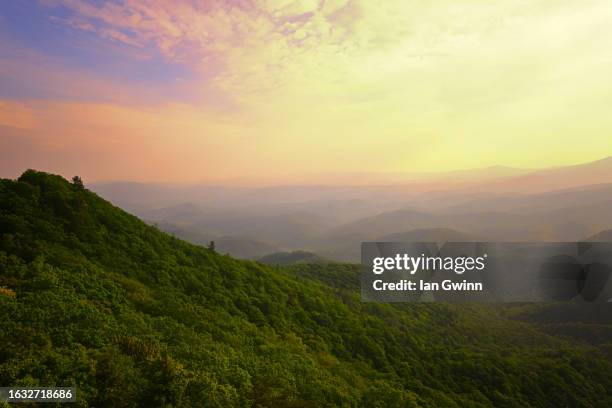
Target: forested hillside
[92, 297]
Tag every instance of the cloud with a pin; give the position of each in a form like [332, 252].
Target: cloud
[258, 47]
[336, 85]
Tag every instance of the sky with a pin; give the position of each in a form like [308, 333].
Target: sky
[277, 90]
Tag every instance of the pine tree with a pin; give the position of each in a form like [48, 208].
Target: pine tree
[77, 182]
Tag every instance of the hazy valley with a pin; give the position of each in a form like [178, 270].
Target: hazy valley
[560, 204]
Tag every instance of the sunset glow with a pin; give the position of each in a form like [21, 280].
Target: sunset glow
[279, 90]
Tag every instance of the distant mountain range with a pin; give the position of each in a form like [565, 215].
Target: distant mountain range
[96, 299]
[596, 172]
[603, 236]
[291, 258]
[555, 204]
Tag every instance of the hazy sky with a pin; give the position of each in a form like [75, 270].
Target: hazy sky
[214, 90]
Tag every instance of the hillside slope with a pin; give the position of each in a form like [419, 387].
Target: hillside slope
[92, 297]
[603, 236]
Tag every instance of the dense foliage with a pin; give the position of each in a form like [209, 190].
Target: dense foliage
[94, 298]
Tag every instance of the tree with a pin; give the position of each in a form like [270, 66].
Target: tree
[77, 182]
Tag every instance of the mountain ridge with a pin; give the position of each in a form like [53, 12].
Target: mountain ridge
[99, 300]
